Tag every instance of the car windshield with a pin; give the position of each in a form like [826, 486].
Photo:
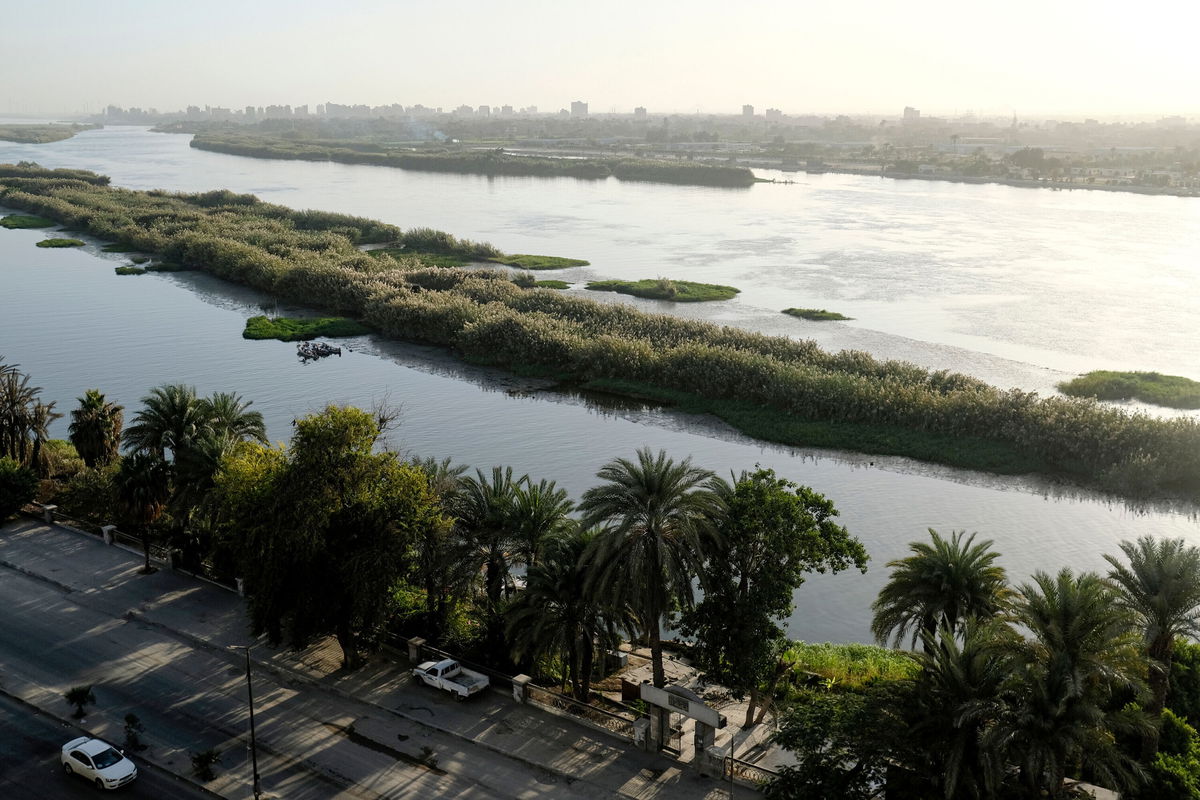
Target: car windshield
[106, 758]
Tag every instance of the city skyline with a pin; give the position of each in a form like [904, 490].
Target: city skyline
[859, 57]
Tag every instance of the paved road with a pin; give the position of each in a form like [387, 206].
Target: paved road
[30, 769]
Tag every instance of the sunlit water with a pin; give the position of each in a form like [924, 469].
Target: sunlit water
[1044, 284]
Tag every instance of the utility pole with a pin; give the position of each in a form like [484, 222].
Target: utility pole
[253, 745]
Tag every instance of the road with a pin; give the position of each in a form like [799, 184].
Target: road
[30, 770]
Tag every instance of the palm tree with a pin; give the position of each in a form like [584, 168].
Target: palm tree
[556, 615]
[1083, 655]
[228, 416]
[956, 697]
[170, 421]
[1161, 587]
[539, 510]
[143, 488]
[96, 429]
[941, 585]
[24, 419]
[483, 508]
[658, 515]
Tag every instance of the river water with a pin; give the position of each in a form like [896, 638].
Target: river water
[1020, 287]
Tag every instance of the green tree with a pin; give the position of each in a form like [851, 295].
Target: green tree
[328, 530]
[1161, 587]
[1057, 711]
[844, 744]
[557, 616]
[170, 420]
[143, 487]
[539, 511]
[18, 486]
[957, 696]
[772, 534]
[941, 585]
[96, 429]
[484, 511]
[24, 419]
[659, 524]
[440, 566]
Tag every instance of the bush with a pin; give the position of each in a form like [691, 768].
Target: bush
[18, 485]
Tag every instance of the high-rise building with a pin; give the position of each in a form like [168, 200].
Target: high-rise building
[773, 113]
[912, 115]
[640, 111]
[747, 111]
[579, 108]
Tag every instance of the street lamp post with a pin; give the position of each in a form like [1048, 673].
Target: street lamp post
[253, 746]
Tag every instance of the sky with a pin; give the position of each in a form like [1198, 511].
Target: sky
[1053, 57]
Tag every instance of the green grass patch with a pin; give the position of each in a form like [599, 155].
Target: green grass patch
[553, 285]
[60, 243]
[432, 259]
[665, 289]
[526, 261]
[129, 271]
[816, 314]
[847, 666]
[1172, 391]
[25, 221]
[292, 329]
[139, 259]
[762, 422]
[117, 247]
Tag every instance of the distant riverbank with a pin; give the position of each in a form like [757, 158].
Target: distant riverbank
[478, 162]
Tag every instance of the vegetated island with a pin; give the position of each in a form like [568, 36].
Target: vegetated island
[1171, 391]
[816, 314]
[666, 289]
[475, 162]
[42, 134]
[553, 285]
[60, 243]
[25, 222]
[129, 270]
[297, 329]
[776, 388]
[441, 259]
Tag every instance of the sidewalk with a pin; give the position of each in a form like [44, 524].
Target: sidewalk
[374, 703]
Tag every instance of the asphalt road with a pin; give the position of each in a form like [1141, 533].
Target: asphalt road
[30, 743]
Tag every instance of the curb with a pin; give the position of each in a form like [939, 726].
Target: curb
[142, 762]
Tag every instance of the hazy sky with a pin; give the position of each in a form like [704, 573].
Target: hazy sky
[1052, 56]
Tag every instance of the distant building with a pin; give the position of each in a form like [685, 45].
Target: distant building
[579, 108]
[912, 115]
[506, 110]
[773, 113]
[640, 111]
[747, 111]
[250, 112]
[1172, 122]
[485, 111]
[464, 111]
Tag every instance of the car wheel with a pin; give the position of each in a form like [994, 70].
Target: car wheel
[67, 769]
[99, 783]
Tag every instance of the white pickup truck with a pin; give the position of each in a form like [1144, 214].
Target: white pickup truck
[450, 676]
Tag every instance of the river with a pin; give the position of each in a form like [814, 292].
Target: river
[1023, 299]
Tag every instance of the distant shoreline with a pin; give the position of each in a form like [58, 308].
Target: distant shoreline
[1020, 183]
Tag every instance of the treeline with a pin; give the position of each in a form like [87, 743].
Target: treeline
[1015, 691]
[476, 162]
[310, 257]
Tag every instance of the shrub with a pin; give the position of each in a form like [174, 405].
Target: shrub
[18, 485]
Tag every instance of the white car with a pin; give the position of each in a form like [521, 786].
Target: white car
[97, 761]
